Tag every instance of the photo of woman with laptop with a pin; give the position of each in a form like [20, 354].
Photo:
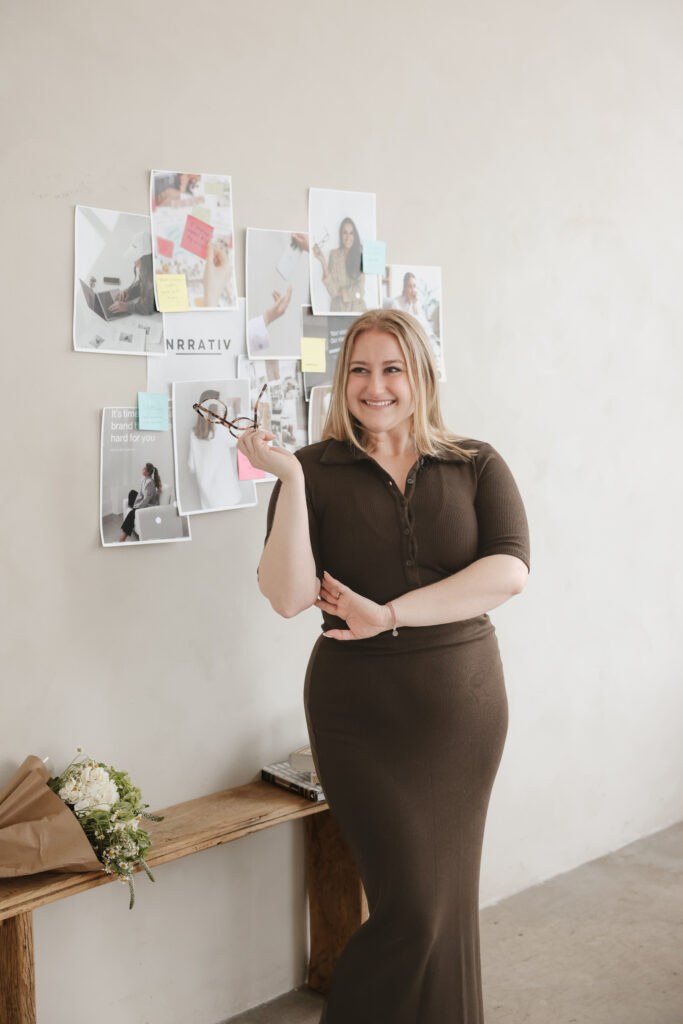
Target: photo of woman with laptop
[114, 309]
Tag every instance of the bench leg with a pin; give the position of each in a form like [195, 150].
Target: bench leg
[17, 977]
[337, 903]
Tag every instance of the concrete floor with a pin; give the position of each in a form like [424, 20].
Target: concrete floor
[602, 944]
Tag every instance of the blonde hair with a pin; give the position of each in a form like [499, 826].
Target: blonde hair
[429, 431]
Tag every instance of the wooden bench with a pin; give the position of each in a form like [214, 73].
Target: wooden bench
[337, 904]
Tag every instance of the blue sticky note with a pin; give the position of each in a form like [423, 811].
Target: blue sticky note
[152, 411]
[374, 257]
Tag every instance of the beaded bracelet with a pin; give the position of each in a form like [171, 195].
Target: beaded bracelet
[394, 631]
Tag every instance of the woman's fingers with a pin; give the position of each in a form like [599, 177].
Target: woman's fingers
[334, 585]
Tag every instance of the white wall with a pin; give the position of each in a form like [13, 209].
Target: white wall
[533, 151]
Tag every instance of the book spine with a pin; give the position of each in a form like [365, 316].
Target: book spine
[293, 787]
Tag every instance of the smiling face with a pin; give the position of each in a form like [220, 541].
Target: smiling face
[378, 391]
[347, 234]
[410, 289]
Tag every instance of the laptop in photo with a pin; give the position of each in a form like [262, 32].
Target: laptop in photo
[100, 302]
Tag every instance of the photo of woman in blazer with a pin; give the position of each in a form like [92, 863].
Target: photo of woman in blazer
[342, 274]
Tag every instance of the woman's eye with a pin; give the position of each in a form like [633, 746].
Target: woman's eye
[357, 369]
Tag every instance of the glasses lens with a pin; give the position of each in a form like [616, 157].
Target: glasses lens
[214, 412]
[242, 423]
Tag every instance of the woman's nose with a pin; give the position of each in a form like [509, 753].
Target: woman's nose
[375, 385]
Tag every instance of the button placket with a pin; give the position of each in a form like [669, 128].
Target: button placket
[410, 557]
[407, 522]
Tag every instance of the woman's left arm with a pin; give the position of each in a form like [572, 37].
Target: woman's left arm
[498, 573]
[478, 588]
[145, 495]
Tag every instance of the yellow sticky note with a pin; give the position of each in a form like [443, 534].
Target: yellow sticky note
[201, 213]
[313, 355]
[172, 293]
[214, 188]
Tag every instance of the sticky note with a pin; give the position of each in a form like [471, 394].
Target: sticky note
[201, 213]
[152, 411]
[245, 470]
[313, 355]
[196, 236]
[164, 247]
[172, 293]
[214, 188]
[374, 257]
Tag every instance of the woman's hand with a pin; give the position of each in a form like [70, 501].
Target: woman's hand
[364, 617]
[118, 307]
[216, 274]
[278, 461]
[319, 255]
[280, 303]
[301, 240]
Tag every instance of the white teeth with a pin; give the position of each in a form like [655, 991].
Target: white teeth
[390, 402]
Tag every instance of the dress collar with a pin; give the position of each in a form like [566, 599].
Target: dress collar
[343, 453]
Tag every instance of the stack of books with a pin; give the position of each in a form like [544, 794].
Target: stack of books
[296, 774]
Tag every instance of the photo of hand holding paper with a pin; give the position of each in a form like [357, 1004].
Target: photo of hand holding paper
[277, 287]
[192, 228]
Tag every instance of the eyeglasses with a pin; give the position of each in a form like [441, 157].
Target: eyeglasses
[236, 427]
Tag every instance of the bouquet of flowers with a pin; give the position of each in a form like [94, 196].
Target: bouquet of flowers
[109, 809]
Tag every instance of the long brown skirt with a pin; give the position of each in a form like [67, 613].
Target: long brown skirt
[407, 734]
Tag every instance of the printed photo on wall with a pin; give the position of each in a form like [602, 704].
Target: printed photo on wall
[199, 346]
[207, 472]
[417, 290]
[333, 329]
[137, 483]
[277, 286]
[317, 411]
[114, 308]
[282, 410]
[192, 230]
[338, 224]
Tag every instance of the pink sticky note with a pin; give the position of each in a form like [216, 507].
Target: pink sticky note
[246, 471]
[196, 236]
[164, 247]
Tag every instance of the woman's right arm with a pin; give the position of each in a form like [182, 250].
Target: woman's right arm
[286, 572]
[330, 276]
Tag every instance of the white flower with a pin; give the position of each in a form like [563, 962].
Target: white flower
[90, 789]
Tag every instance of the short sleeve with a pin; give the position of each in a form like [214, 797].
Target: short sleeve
[312, 525]
[501, 518]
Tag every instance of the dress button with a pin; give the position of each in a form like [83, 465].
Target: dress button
[409, 562]
[407, 529]
[410, 480]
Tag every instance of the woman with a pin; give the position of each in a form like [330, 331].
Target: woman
[147, 495]
[138, 297]
[405, 536]
[344, 278]
[212, 459]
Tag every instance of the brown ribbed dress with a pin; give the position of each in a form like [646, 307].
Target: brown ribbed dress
[408, 731]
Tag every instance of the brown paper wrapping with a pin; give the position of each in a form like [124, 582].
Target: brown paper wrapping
[38, 831]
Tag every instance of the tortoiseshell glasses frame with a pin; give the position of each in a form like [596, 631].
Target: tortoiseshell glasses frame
[236, 426]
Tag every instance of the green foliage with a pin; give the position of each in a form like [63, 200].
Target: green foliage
[113, 831]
